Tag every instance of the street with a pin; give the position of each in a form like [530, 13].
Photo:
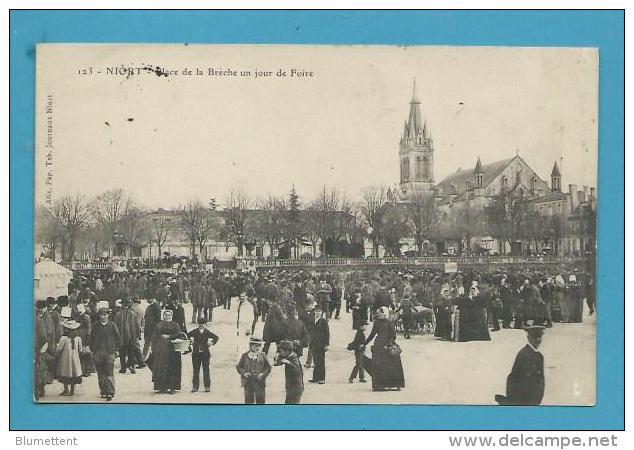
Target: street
[436, 372]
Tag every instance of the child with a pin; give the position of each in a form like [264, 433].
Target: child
[68, 364]
[358, 345]
[293, 372]
[253, 368]
[203, 339]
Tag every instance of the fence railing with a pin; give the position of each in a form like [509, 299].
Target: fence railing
[426, 260]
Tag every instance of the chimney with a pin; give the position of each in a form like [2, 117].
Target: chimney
[572, 192]
[580, 197]
[592, 196]
[585, 193]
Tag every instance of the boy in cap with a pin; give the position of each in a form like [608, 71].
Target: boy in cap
[293, 372]
[525, 383]
[358, 346]
[253, 368]
[202, 340]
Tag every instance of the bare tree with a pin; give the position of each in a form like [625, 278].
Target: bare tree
[109, 208]
[134, 226]
[325, 210]
[423, 218]
[236, 209]
[507, 215]
[72, 213]
[159, 233]
[373, 199]
[272, 220]
[394, 227]
[191, 216]
[48, 232]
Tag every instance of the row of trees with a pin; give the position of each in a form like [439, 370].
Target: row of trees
[329, 221]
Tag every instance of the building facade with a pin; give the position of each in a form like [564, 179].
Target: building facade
[567, 218]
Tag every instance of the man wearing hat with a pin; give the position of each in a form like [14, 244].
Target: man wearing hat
[104, 341]
[53, 326]
[525, 384]
[293, 373]
[203, 339]
[128, 325]
[152, 317]
[253, 368]
[323, 295]
[295, 330]
[319, 341]
[40, 349]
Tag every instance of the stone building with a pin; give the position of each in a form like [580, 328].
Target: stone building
[567, 216]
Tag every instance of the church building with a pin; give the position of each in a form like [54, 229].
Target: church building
[475, 187]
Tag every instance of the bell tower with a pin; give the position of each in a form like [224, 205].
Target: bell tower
[416, 152]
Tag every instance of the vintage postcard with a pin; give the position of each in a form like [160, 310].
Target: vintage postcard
[315, 224]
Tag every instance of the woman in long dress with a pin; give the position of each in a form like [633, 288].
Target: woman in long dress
[85, 327]
[68, 364]
[165, 362]
[387, 368]
[473, 323]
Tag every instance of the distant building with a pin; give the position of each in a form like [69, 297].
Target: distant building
[570, 215]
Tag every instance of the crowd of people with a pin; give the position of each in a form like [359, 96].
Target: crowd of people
[138, 317]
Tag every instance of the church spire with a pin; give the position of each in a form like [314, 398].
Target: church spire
[414, 126]
[478, 167]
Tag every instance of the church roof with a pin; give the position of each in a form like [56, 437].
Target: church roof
[551, 197]
[458, 180]
[555, 172]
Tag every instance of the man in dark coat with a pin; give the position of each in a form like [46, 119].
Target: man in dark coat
[128, 325]
[295, 330]
[201, 355]
[525, 384]
[151, 318]
[319, 341]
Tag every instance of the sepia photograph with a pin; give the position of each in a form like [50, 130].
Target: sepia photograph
[315, 224]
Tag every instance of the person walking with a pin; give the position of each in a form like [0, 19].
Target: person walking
[128, 325]
[152, 317]
[319, 342]
[387, 368]
[69, 370]
[104, 341]
[358, 346]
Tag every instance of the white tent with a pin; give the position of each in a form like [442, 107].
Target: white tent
[51, 279]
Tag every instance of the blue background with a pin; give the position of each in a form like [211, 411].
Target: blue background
[602, 29]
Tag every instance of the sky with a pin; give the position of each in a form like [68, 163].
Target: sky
[169, 139]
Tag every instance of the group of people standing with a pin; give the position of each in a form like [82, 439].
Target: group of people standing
[140, 318]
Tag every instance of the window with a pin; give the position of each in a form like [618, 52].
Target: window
[405, 170]
[426, 174]
[419, 167]
[534, 184]
[505, 183]
[479, 181]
